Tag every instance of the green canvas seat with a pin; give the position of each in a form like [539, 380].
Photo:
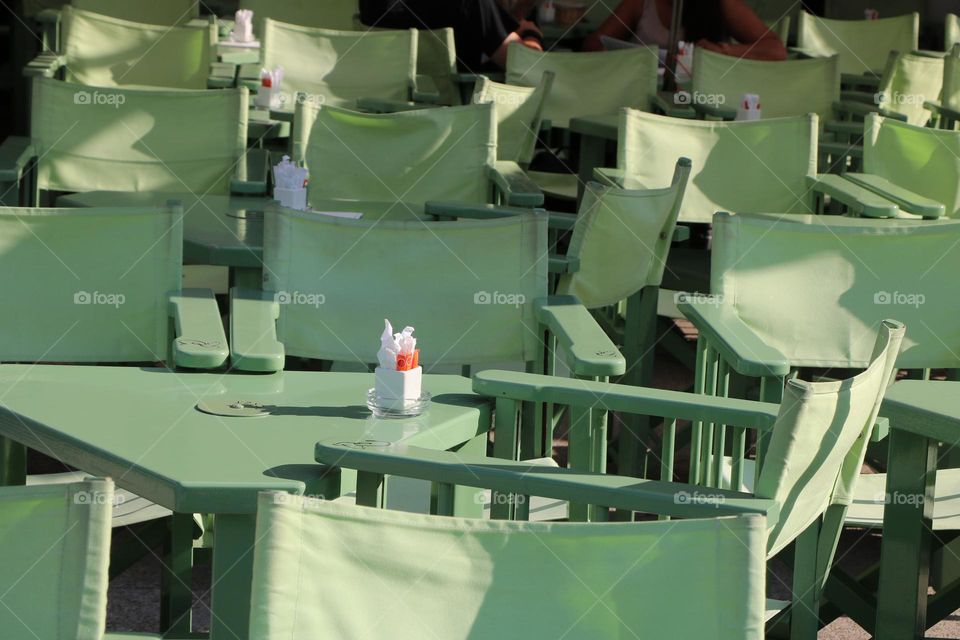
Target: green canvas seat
[55, 554]
[842, 281]
[818, 441]
[764, 165]
[946, 108]
[121, 139]
[411, 156]
[614, 265]
[340, 15]
[437, 60]
[861, 45]
[468, 575]
[167, 13]
[337, 67]
[909, 81]
[519, 112]
[917, 165]
[104, 51]
[585, 84]
[786, 88]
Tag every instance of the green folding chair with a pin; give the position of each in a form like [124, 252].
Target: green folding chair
[120, 139]
[410, 156]
[55, 554]
[339, 15]
[786, 88]
[104, 286]
[103, 51]
[490, 307]
[945, 110]
[338, 67]
[862, 46]
[776, 157]
[437, 60]
[908, 83]
[519, 112]
[585, 84]
[818, 435]
[391, 574]
[843, 277]
[915, 167]
[167, 13]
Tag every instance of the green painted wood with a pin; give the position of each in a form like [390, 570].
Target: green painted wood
[578, 334]
[928, 409]
[604, 126]
[233, 545]
[504, 447]
[905, 554]
[657, 402]
[167, 458]
[225, 230]
[906, 200]
[176, 576]
[858, 199]
[648, 496]
[201, 341]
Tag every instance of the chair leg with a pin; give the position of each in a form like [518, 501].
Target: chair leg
[176, 608]
[13, 463]
[804, 618]
[639, 342]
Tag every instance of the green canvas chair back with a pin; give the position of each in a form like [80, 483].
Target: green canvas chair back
[437, 59]
[168, 12]
[925, 161]
[358, 564]
[519, 113]
[340, 15]
[88, 285]
[621, 239]
[820, 437]
[412, 156]
[337, 67]
[107, 52]
[736, 166]
[951, 31]
[55, 552]
[909, 80]
[468, 287]
[587, 83]
[122, 139]
[786, 88]
[861, 45]
[950, 91]
[815, 288]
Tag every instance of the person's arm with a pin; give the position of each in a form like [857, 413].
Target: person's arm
[619, 24]
[755, 40]
[526, 34]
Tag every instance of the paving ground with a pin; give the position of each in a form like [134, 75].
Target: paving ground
[135, 593]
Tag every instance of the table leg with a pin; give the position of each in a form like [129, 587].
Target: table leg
[247, 278]
[905, 554]
[592, 155]
[233, 541]
[13, 463]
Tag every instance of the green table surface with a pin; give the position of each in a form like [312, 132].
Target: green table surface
[925, 408]
[141, 427]
[227, 230]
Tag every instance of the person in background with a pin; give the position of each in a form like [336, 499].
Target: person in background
[707, 23]
[483, 29]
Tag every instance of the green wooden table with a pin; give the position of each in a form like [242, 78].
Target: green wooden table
[142, 427]
[228, 230]
[922, 414]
